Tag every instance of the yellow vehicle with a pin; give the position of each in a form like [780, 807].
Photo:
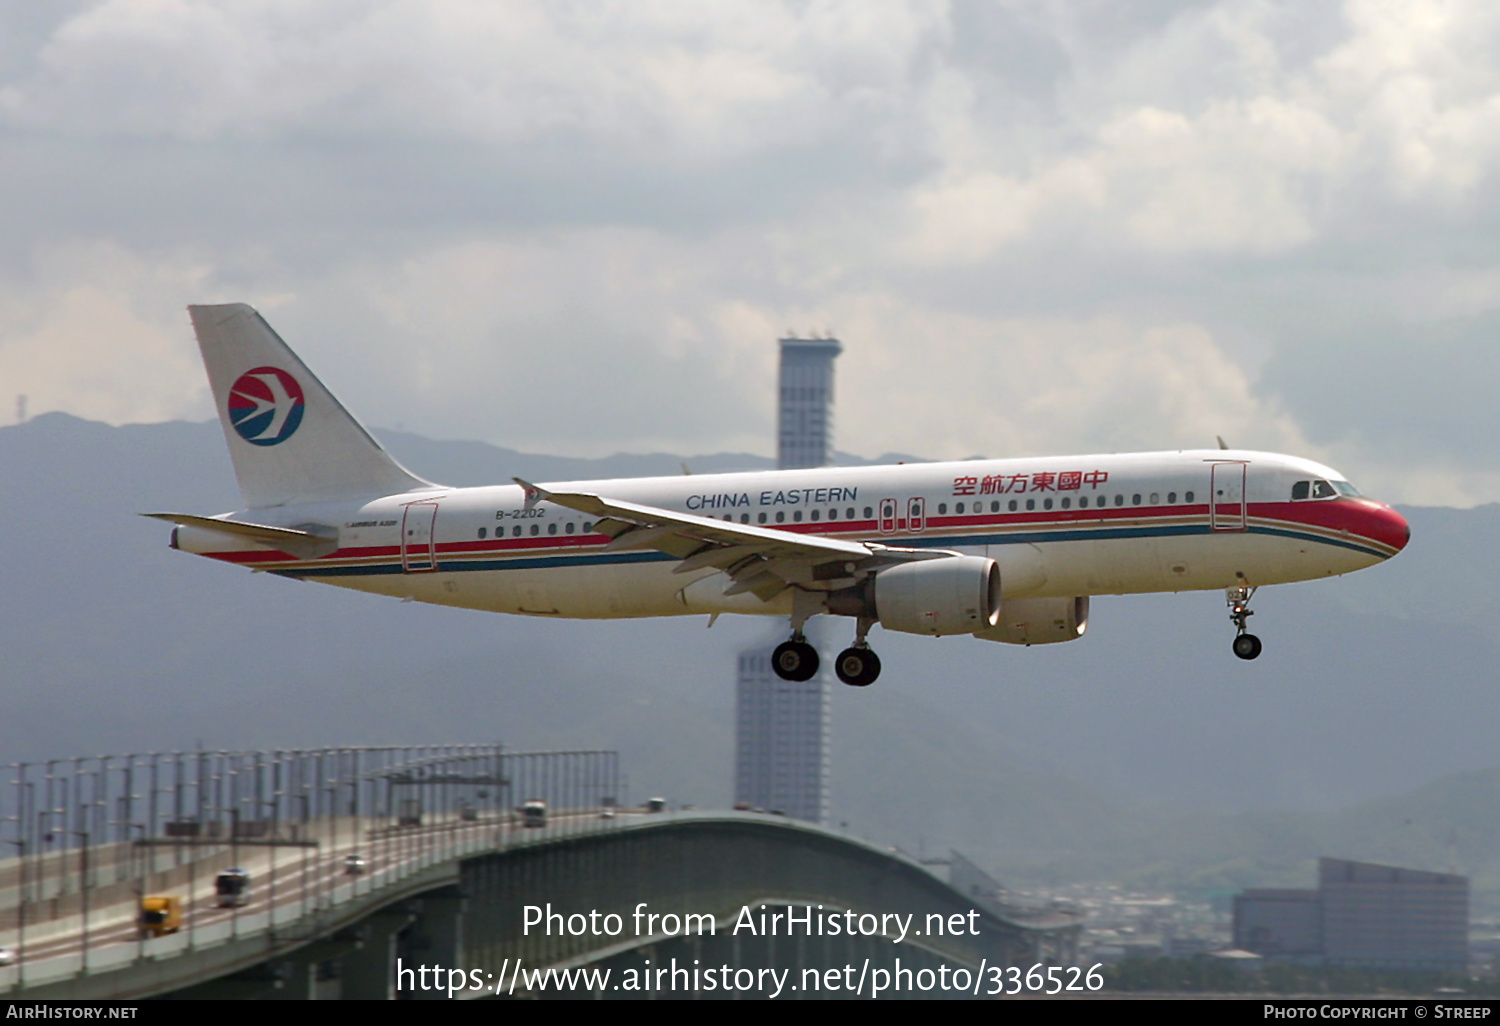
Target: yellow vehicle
[161, 914]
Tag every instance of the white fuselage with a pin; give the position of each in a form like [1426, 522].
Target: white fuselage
[1056, 526]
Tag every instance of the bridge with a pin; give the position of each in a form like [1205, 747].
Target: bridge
[413, 872]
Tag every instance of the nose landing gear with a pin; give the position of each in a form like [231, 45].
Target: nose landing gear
[1246, 645]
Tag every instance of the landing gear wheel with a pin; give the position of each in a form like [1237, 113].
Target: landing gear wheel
[1246, 646]
[857, 667]
[795, 660]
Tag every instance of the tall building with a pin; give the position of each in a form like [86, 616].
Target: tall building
[781, 727]
[1361, 915]
[804, 411]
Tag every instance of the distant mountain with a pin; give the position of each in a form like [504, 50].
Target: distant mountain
[465, 464]
[1049, 763]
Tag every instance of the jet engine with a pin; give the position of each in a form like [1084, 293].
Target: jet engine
[951, 595]
[1039, 621]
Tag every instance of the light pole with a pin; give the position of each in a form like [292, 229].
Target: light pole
[25, 800]
[21, 904]
[83, 893]
[143, 856]
[274, 834]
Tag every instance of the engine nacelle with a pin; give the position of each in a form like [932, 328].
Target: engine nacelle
[1040, 621]
[951, 595]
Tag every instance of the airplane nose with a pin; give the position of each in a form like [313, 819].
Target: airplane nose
[1386, 526]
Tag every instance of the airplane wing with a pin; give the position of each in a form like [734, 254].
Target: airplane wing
[762, 560]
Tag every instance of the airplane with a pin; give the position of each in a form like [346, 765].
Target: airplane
[1007, 550]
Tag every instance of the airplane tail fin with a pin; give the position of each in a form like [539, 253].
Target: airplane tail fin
[289, 438]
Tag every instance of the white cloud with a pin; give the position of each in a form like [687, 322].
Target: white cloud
[101, 332]
[1019, 260]
[947, 385]
[674, 79]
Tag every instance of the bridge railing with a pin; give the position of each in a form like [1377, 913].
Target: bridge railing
[90, 836]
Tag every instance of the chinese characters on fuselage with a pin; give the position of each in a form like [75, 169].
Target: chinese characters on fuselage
[1042, 481]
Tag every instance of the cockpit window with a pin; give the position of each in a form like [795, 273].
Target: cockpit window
[1322, 490]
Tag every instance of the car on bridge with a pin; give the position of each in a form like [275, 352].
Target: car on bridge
[160, 915]
[232, 888]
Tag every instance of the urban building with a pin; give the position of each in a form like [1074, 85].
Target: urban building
[1361, 915]
[781, 727]
[804, 410]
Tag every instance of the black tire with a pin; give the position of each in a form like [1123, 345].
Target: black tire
[795, 660]
[1246, 646]
[857, 667]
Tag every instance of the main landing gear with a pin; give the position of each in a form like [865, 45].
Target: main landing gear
[795, 659]
[857, 666]
[1246, 645]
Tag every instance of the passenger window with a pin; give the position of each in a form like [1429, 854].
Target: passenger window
[1066, 503]
[1299, 490]
[481, 532]
[1172, 497]
[780, 517]
[833, 514]
[744, 518]
[816, 514]
[1135, 500]
[995, 506]
[1119, 500]
[588, 525]
[536, 529]
[1046, 504]
[1012, 506]
[1188, 497]
[868, 513]
[1031, 504]
[571, 526]
[1083, 502]
[760, 518]
[943, 507]
[552, 527]
[1155, 498]
[797, 516]
[516, 531]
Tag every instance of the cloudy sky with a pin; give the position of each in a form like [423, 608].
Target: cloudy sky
[579, 228]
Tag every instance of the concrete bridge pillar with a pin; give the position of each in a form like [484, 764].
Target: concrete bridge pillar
[369, 972]
[435, 937]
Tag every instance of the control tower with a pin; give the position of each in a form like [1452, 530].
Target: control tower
[781, 727]
[804, 412]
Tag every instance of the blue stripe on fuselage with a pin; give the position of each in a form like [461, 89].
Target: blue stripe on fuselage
[927, 542]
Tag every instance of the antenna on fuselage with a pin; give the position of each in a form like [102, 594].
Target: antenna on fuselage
[1221, 441]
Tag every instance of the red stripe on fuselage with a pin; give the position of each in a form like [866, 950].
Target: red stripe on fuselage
[1364, 518]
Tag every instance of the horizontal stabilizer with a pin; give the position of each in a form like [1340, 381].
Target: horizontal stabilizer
[310, 542]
